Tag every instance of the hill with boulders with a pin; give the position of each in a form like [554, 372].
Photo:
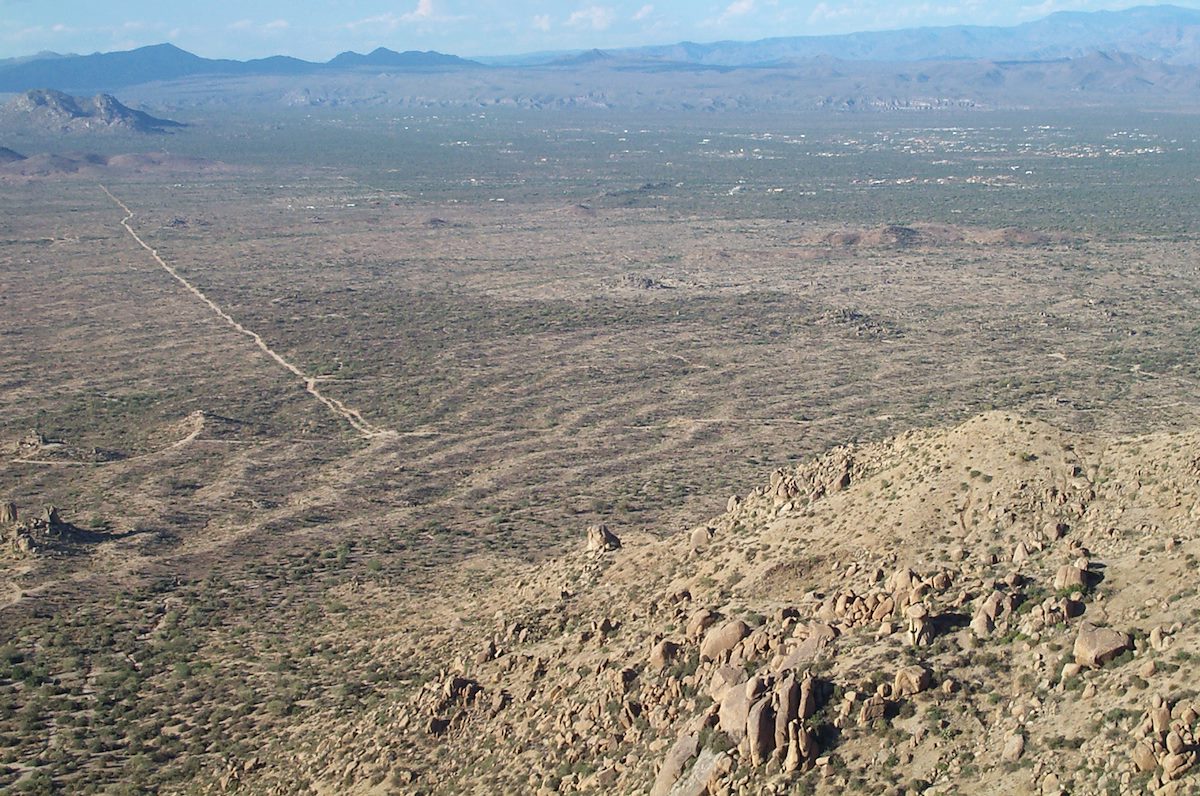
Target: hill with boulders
[1000, 606]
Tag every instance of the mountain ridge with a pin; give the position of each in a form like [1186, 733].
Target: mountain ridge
[53, 111]
[102, 72]
[1141, 30]
[817, 84]
[382, 56]
[1165, 33]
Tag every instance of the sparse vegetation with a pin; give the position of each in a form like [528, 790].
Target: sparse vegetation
[278, 597]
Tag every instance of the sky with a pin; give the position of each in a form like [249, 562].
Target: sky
[319, 29]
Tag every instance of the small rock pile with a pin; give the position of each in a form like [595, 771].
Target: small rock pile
[1165, 743]
[30, 536]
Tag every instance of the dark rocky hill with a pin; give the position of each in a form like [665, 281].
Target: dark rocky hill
[51, 111]
[410, 59]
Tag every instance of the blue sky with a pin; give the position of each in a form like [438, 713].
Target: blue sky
[319, 29]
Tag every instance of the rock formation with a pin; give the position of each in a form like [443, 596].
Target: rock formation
[601, 539]
[822, 636]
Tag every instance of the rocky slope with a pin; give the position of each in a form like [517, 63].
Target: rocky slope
[52, 111]
[996, 607]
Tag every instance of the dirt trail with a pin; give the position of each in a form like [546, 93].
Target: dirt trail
[349, 414]
[195, 419]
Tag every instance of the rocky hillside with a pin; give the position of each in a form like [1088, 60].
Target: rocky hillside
[995, 607]
[52, 111]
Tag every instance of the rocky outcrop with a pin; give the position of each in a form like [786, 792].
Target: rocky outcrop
[910, 680]
[1095, 646]
[52, 111]
[679, 755]
[722, 639]
[760, 731]
[662, 654]
[34, 535]
[863, 623]
[1014, 748]
[601, 540]
[1165, 743]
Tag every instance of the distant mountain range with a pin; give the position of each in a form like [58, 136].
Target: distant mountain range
[116, 70]
[1162, 33]
[1095, 80]
[382, 56]
[1149, 52]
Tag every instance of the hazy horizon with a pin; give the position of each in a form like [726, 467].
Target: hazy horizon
[317, 31]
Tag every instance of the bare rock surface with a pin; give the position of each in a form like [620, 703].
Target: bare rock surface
[601, 539]
[1095, 646]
